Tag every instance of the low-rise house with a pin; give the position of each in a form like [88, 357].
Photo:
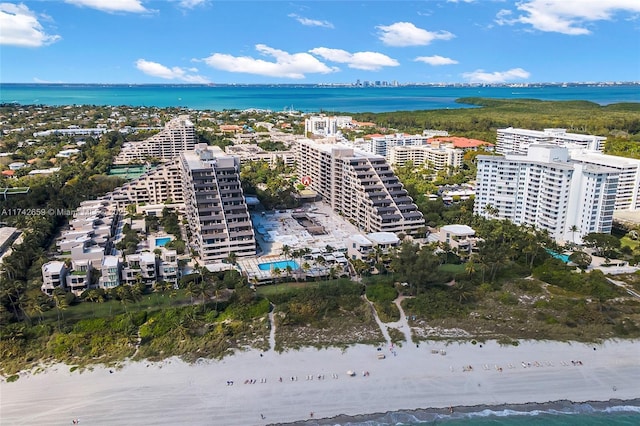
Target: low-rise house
[110, 272]
[78, 278]
[168, 266]
[53, 276]
[140, 267]
[461, 238]
[365, 247]
[16, 165]
[358, 247]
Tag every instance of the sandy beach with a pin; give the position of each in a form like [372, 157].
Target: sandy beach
[246, 389]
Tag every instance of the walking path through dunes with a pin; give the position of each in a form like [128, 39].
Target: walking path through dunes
[172, 392]
[402, 324]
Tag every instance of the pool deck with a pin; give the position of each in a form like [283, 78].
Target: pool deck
[274, 230]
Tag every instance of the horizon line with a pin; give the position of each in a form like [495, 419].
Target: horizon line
[386, 85]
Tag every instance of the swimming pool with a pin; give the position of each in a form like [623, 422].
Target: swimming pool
[282, 265]
[162, 241]
[563, 257]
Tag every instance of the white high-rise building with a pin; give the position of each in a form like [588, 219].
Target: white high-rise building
[437, 157]
[381, 145]
[322, 125]
[628, 194]
[178, 135]
[549, 190]
[517, 141]
[359, 185]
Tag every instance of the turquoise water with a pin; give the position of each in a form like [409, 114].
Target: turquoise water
[282, 265]
[550, 414]
[162, 241]
[562, 257]
[305, 98]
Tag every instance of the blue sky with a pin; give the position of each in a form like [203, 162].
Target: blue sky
[207, 41]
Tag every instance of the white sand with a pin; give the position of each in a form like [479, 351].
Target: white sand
[173, 392]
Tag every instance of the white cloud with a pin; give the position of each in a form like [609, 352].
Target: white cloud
[436, 60]
[133, 6]
[311, 22]
[406, 34]
[369, 61]
[480, 76]
[286, 65]
[566, 16]
[41, 81]
[191, 4]
[20, 27]
[155, 69]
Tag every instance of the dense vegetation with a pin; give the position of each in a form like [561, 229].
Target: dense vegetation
[619, 122]
[274, 186]
[511, 288]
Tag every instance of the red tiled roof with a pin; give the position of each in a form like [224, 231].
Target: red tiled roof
[459, 142]
[8, 172]
[375, 135]
[363, 123]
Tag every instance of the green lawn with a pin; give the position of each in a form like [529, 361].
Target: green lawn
[110, 308]
[269, 289]
[626, 241]
[454, 269]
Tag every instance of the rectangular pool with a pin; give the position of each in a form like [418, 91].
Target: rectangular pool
[281, 265]
[162, 241]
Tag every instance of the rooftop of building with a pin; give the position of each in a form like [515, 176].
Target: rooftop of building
[200, 158]
[110, 261]
[383, 238]
[550, 132]
[604, 159]
[458, 229]
[360, 239]
[53, 266]
[460, 142]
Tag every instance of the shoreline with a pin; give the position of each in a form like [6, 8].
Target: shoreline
[433, 414]
[409, 378]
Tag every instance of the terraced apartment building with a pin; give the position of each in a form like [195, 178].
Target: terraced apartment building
[160, 185]
[359, 185]
[178, 135]
[215, 206]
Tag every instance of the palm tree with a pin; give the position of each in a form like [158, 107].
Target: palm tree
[462, 290]
[305, 268]
[288, 269]
[200, 290]
[60, 300]
[232, 257]
[35, 305]
[491, 211]
[217, 286]
[131, 212]
[163, 287]
[125, 295]
[286, 251]
[470, 266]
[573, 231]
[276, 273]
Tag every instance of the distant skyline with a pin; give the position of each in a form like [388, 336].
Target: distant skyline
[319, 42]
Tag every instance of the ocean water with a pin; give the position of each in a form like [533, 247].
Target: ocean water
[304, 98]
[550, 414]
